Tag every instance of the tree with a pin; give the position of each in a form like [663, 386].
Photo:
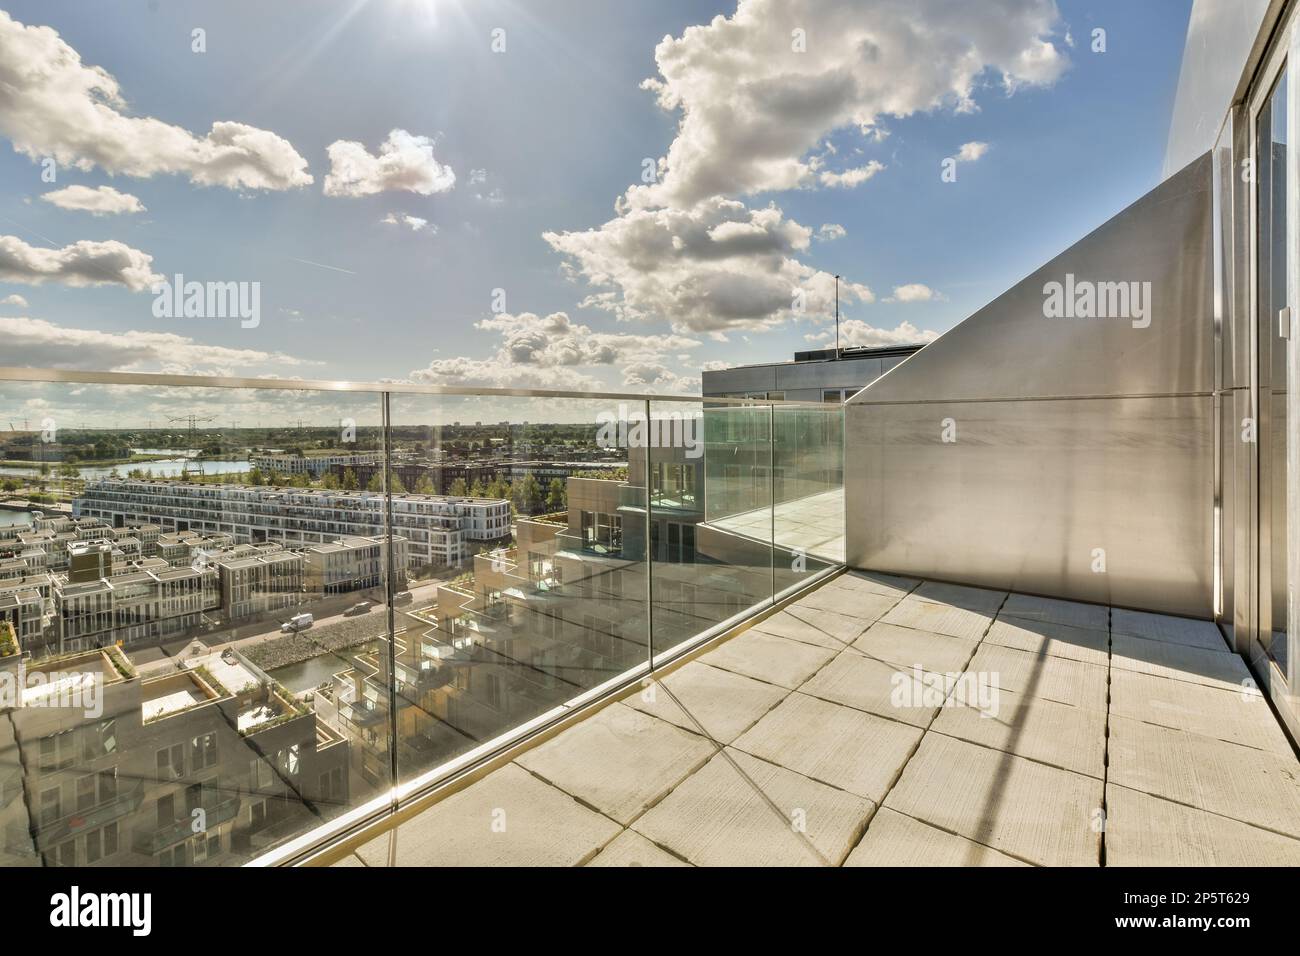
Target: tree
[527, 495]
[376, 482]
[458, 489]
[330, 481]
[557, 496]
[350, 482]
[255, 476]
[395, 485]
[477, 490]
[425, 486]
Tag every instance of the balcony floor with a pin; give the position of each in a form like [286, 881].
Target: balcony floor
[1114, 737]
[814, 524]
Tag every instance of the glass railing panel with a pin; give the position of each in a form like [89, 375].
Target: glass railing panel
[708, 471]
[807, 492]
[537, 593]
[187, 622]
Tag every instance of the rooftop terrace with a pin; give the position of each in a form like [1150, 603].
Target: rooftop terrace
[1063, 734]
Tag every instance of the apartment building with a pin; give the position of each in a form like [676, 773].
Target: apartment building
[351, 564]
[442, 475]
[818, 375]
[260, 583]
[313, 466]
[439, 531]
[209, 764]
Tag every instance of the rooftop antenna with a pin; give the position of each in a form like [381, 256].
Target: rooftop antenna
[837, 316]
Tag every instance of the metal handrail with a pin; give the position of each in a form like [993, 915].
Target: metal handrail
[76, 377]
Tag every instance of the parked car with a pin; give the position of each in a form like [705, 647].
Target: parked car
[361, 607]
[402, 597]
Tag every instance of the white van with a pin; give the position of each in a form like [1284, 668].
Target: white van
[299, 622]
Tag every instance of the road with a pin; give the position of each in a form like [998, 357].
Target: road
[160, 658]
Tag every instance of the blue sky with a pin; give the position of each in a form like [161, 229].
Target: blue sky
[559, 126]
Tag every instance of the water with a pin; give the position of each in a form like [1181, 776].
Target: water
[10, 518]
[164, 468]
[309, 674]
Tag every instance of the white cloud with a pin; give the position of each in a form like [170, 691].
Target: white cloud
[404, 163]
[850, 177]
[830, 231]
[15, 300]
[717, 266]
[477, 176]
[100, 201]
[52, 104]
[83, 263]
[856, 332]
[496, 373]
[915, 292]
[414, 223]
[553, 351]
[752, 109]
[657, 378]
[970, 152]
[40, 344]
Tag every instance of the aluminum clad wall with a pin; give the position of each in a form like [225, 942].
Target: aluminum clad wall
[1075, 441]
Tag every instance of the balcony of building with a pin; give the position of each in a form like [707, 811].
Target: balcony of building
[885, 721]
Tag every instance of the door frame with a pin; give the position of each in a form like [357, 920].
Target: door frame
[1281, 685]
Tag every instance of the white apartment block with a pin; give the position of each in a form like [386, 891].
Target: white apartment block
[313, 466]
[438, 530]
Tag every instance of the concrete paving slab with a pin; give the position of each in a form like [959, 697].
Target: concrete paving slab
[1208, 711]
[1034, 675]
[866, 607]
[723, 815]
[938, 618]
[824, 628]
[1253, 786]
[867, 684]
[1084, 644]
[857, 752]
[509, 818]
[1072, 738]
[1178, 662]
[891, 585]
[906, 647]
[1027, 607]
[1142, 830]
[723, 703]
[632, 849]
[784, 624]
[766, 657]
[1028, 810]
[893, 839]
[619, 761]
[1186, 631]
[960, 595]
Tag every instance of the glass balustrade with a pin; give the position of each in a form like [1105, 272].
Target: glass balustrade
[237, 619]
